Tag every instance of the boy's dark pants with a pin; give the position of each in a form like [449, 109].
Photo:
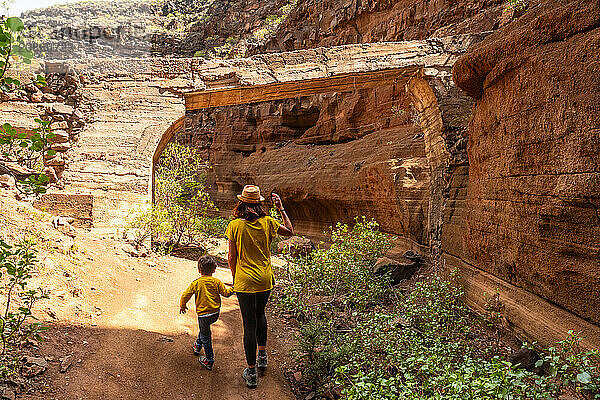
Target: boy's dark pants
[204, 336]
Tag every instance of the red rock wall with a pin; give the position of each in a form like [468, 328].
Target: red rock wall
[534, 175]
[331, 158]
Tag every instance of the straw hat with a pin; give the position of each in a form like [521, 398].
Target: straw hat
[250, 194]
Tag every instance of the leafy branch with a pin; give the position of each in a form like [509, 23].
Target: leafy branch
[26, 150]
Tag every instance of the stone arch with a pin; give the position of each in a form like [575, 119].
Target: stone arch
[166, 137]
[431, 123]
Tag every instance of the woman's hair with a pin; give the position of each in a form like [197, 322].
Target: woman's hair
[207, 264]
[248, 211]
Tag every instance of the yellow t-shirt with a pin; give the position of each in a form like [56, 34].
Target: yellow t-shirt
[208, 291]
[253, 272]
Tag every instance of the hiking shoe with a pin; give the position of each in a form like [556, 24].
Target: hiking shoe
[197, 347]
[205, 363]
[250, 378]
[262, 361]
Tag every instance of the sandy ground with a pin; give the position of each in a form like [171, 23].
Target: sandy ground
[117, 317]
[141, 347]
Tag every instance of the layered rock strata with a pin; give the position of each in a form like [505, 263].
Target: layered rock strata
[335, 156]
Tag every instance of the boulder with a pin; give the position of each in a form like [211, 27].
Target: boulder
[7, 181]
[130, 250]
[399, 271]
[59, 108]
[296, 246]
[34, 366]
[526, 358]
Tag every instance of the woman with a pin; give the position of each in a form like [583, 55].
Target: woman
[250, 235]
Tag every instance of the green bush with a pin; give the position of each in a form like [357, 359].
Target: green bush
[339, 276]
[182, 213]
[16, 265]
[24, 149]
[356, 332]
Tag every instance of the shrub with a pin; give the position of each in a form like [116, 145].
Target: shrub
[420, 346]
[16, 265]
[182, 211]
[340, 275]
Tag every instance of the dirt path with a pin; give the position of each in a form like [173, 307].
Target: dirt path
[140, 347]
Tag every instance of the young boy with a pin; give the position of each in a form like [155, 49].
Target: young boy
[208, 292]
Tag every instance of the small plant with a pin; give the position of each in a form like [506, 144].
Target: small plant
[16, 265]
[517, 5]
[398, 111]
[27, 150]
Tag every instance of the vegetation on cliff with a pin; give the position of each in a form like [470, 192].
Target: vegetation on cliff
[21, 153]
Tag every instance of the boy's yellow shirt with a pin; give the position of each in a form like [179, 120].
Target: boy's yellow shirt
[208, 291]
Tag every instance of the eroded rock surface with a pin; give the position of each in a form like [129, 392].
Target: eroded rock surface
[534, 176]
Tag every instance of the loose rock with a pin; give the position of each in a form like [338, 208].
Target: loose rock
[398, 271]
[65, 363]
[34, 366]
[7, 181]
[296, 246]
[129, 249]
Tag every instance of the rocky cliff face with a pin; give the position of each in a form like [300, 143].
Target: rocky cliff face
[334, 22]
[237, 28]
[104, 29]
[332, 157]
[534, 176]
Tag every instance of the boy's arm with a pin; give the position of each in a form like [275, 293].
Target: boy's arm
[225, 291]
[185, 297]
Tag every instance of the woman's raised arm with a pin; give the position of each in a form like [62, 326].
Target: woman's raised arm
[287, 229]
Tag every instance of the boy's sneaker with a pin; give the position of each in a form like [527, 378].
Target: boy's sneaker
[197, 347]
[262, 361]
[205, 363]
[250, 378]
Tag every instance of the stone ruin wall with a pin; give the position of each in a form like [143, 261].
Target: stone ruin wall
[109, 115]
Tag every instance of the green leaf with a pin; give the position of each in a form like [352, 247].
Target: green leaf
[539, 363]
[584, 378]
[14, 24]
